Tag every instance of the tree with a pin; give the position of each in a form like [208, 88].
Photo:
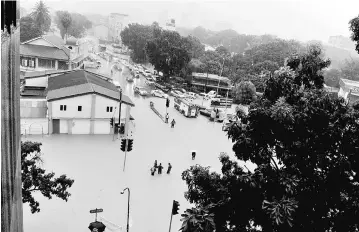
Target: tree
[167, 52]
[41, 16]
[79, 25]
[303, 143]
[222, 51]
[331, 77]
[350, 70]
[309, 66]
[197, 220]
[195, 47]
[135, 37]
[354, 27]
[63, 21]
[35, 179]
[245, 92]
[29, 29]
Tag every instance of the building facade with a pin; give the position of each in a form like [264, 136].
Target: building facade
[117, 22]
[349, 90]
[170, 25]
[82, 102]
[205, 82]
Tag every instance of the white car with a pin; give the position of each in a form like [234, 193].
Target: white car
[141, 91]
[191, 95]
[158, 93]
[177, 93]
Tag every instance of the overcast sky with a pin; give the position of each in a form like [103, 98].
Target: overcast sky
[290, 19]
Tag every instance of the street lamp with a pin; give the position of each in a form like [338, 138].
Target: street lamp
[128, 207]
[219, 79]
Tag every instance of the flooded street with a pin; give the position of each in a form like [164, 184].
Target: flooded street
[95, 162]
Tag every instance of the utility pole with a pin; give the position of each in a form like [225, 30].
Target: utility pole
[170, 222]
[205, 86]
[219, 79]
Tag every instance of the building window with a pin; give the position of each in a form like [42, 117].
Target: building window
[49, 64]
[109, 109]
[62, 107]
[62, 65]
[79, 108]
[28, 62]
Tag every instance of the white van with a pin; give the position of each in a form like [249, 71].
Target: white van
[212, 93]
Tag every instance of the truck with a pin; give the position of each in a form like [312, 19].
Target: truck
[186, 108]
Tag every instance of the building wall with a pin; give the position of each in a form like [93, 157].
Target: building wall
[38, 81]
[33, 108]
[34, 126]
[72, 107]
[102, 103]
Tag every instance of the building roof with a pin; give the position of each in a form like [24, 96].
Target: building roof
[43, 51]
[210, 76]
[81, 82]
[52, 39]
[35, 74]
[350, 83]
[33, 92]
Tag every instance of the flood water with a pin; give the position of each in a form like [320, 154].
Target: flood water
[96, 164]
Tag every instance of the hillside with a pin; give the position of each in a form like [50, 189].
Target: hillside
[97, 19]
[338, 49]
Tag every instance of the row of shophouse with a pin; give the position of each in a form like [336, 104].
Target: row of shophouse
[50, 52]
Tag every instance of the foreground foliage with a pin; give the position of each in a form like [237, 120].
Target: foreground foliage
[35, 179]
[305, 147]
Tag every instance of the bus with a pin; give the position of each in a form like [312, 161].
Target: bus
[186, 108]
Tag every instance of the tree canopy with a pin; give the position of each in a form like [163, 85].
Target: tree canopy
[304, 145]
[135, 37]
[35, 179]
[354, 27]
[41, 16]
[29, 29]
[79, 25]
[167, 52]
[63, 20]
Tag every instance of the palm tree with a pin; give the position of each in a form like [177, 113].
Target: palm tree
[41, 16]
[197, 220]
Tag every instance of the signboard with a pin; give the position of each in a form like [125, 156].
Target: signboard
[96, 211]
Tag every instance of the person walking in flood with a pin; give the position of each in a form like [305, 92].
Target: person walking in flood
[155, 165]
[173, 123]
[153, 170]
[169, 168]
[167, 117]
[160, 167]
[193, 155]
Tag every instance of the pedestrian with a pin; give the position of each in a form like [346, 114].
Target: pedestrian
[155, 165]
[193, 155]
[167, 117]
[169, 168]
[160, 169]
[173, 123]
[153, 170]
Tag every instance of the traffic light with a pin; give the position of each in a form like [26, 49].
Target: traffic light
[111, 122]
[130, 144]
[175, 207]
[167, 102]
[123, 144]
[122, 129]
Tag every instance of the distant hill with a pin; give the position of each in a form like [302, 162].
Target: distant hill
[338, 49]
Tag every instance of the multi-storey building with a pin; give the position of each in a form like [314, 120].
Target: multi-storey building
[349, 90]
[207, 82]
[117, 22]
[170, 25]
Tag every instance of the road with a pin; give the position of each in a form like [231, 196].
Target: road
[95, 162]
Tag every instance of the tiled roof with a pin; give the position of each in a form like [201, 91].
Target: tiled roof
[43, 51]
[82, 82]
[55, 40]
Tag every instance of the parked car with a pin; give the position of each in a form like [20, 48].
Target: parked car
[177, 93]
[158, 93]
[191, 95]
[140, 90]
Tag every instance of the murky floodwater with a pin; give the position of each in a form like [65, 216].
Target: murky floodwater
[95, 162]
